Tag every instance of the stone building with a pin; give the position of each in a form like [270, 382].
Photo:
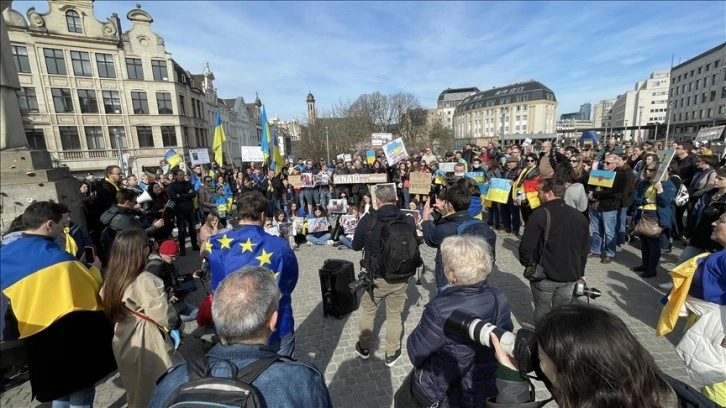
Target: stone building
[508, 114]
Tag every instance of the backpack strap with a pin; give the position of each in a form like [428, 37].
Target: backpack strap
[200, 367]
[250, 372]
[466, 224]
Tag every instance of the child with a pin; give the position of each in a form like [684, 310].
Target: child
[320, 237]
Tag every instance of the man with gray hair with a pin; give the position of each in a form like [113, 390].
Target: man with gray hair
[604, 208]
[245, 313]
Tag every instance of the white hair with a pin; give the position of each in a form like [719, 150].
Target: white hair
[468, 256]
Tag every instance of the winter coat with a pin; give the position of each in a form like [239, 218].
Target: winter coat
[663, 201]
[700, 347]
[439, 357]
[183, 199]
[576, 197]
[121, 219]
[704, 213]
[143, 351]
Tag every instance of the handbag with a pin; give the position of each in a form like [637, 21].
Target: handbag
[534, 272]
[648, 227]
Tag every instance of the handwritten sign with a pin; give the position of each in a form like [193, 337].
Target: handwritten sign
[601, 178]
[379, 139]
[199, 156]
[251, 154]
[499, 190]
[294, 181]
[447, 167]
[420, 183]
[359, 178]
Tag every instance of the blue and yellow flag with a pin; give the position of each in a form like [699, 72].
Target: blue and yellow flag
[219, 139]
[251, 246]
[46, 286]
[277, 161]
[266, 137]
[172, 158]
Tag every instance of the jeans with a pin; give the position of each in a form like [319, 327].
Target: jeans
[324, 198]
[620, 225]
[494, 218]
[549, 294]
[394, 295]
[346, 241]
[184, 221]
[602, 228]
[406, 197]
[285, 345]
[77, 399]
[321, 240]
[307, 196]
[510, 216]
[189, 313]
[688, 253]
[650, 252]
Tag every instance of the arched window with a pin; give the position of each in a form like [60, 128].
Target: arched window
[73, 19]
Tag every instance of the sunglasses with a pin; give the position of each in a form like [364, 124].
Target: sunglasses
[529, 161]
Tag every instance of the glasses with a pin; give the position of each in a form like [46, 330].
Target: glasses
[574, 161]
[207, 181]
[608, 163]
[528, 161]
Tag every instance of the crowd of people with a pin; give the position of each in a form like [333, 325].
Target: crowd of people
[119, 294]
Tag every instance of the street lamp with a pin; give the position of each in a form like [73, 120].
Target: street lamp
[625, 127]
[640, 120]
[327, 144]
[668, 123]
[504, 111]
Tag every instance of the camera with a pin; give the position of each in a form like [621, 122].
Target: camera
[581, 289]
[363, 281]
[522, 346]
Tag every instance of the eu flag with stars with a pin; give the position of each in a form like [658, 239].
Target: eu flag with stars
[250, 245]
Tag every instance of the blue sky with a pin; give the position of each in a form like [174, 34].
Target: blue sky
[583, 51]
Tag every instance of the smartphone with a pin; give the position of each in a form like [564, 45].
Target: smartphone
[432, 199]
[90, 254]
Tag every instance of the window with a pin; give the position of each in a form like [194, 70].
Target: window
[81, 63]
[705, 82]
[723, 92]
[182, 110]
[73, 20]
[36, 139]
[185, 135]
[27, 100]
[94, 138]
[158, 69]
[87, 100]
[62, 100]
[163, 100]
[138, 100]
[721, 109]
[104, 63]
[714, 79]
[117, 132]
[69, 138]
[20, 56]
[54, 61]
[715, 63]
[111, 102]
[146, 138]
[168, 136]
[135, 69]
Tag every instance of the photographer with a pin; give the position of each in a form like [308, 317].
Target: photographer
[454, 371]
[368, 237]
[576, 347]
[449, 215]
[562, 253]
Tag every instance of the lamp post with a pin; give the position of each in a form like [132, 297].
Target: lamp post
[640, 120]
[327, 144]
[503, 110]
[625, 127]
[668, 124]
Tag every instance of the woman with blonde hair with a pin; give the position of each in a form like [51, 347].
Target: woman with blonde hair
[438, 357]
[146, 331]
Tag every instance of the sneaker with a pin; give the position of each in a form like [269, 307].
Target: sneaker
[364, 353]
[310, 243]
[329, 242]
[391, 360]
[342, 247]
[666, 286]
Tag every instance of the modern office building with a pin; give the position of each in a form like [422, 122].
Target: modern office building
[636, 113]
[697, 93]
[602, 115]
[508, 114]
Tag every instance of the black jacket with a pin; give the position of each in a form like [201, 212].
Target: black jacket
[610, 198]
[179, 192]
[105, 196]
[364, 242]
[567, 246]
[122, 219]
[687, 167]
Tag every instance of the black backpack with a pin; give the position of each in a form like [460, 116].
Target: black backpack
[204, 390]
[399, 257]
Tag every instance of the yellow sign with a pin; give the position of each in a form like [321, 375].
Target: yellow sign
[295, 181]
[420, 183]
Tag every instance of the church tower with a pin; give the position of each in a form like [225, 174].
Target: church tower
[311, 108]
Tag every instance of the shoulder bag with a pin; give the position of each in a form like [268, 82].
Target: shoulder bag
[648, 226]
[534, 272]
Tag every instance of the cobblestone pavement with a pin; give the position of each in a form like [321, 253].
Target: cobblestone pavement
[329, 342]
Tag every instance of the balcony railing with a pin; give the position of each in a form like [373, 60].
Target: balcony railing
[78, 155]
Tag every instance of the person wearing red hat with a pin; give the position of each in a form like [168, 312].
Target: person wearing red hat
[177, 286]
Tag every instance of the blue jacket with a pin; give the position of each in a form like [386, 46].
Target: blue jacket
[283, 384]
[440, 357]
[475, 207]
[663, 201]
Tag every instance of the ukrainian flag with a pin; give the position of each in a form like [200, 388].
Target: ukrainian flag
[277, 161]
[46, 286]
[266, 137]
[173, 159]
[219, 139]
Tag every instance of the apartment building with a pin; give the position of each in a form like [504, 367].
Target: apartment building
[636, 114]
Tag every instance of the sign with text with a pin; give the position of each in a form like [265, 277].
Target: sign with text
[359, 178]
[199, 156]
[711, 133]
[499, 190]
[420, 183]
[663, 168]
[601, 178]
[251, 154]
[379, 139]
[295, 181]
[447, 167]
[395, 151]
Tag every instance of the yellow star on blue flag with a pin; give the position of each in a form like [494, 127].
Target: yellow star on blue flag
[224, 241]
[208, 246]
[264, 258]
[247, 246]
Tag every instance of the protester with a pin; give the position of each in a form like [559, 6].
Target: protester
[604, 207]
[318, 237]
[124, 216]
[157, 208]
[146, 334]
[182, 193]
[177, 286]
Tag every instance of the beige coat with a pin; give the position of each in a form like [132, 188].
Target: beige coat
[142, 353]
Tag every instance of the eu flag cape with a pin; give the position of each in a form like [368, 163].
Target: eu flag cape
[45, 283]
[251, 246]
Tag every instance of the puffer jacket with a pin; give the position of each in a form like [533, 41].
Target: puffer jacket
[699, 348]
[439, 357]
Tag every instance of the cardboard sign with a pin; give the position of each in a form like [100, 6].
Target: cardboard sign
[294, 181]
[379, 139]
[663, 168]
[199, 156]
[359, 178]
[499, 190]
[601, 178]
[395, 151]
[420, 183]
[251, 154]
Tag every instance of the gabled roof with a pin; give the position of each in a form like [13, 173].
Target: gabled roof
[533, 90]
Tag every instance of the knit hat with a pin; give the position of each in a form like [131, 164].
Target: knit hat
[169, 247]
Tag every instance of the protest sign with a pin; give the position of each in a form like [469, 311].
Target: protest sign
[347, 157]
[359, 178]
[318, 224]
[251, 154]
[499, 190]
[370, 156]
[199, 156]
[601, 178]
[294, 181]
[420, 183]
[447, 167]
[306, 180]
[395, 151]
[349, 222]
[379, 139]
[663, 167]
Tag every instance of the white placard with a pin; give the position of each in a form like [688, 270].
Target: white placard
[447, 167]
[199, 156]
[379, 139]
[252, 154]
[395, 151]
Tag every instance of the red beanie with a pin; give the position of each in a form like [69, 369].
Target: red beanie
[169, 247]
